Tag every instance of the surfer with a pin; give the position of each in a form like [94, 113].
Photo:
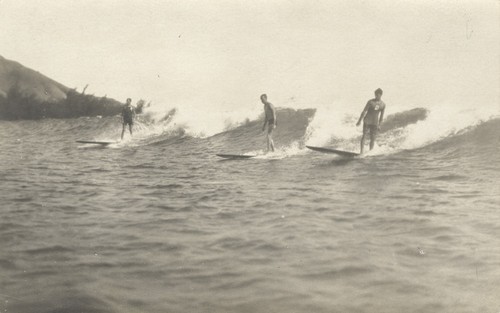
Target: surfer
[269, 120]
[371, 119]
[128, 116]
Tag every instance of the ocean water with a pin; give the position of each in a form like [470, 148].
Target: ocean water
[158, 223]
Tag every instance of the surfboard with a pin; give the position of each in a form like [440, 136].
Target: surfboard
[334, 151]
[235, 156]
[104, 143]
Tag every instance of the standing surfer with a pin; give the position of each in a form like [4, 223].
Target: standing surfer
[128, 117]
[269, 120]
[371, 120]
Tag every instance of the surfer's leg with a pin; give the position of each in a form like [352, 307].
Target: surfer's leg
[365, 131]
[130, 128]
[373, 136]
[123, 129]
[372, 141]
[270, 142]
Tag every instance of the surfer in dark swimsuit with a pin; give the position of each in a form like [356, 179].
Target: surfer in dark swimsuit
[371, 119]
[128, 117]
[269, 120]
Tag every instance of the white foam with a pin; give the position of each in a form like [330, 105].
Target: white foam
[205, 122]
[280, 153]
[443, 122]
[329, 122]
[333, 122]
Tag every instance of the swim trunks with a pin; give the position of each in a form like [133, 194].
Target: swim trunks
[372, 129]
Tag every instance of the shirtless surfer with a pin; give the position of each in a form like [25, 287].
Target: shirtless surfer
[128, 116]
[269, 120]
[371, 119]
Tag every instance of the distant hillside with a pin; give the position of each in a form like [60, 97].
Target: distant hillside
[29, 82]
[27, 94]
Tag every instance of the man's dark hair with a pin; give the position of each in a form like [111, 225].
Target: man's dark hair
[379, 91]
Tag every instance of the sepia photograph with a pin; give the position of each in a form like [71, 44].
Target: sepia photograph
[250, 156]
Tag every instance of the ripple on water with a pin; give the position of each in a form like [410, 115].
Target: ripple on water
[350, 271]
[450, 177]
[49, 250]
[7, 264]
[69, 301]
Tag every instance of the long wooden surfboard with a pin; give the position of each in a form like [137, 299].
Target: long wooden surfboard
[235, 156]
[103, 143]
[334, 151]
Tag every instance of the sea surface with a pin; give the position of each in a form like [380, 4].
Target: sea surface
[159, 223]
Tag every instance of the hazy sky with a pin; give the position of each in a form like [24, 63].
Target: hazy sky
[301, 52]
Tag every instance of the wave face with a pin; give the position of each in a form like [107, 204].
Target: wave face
[477, 146]
[405, 130]
[292, 126]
